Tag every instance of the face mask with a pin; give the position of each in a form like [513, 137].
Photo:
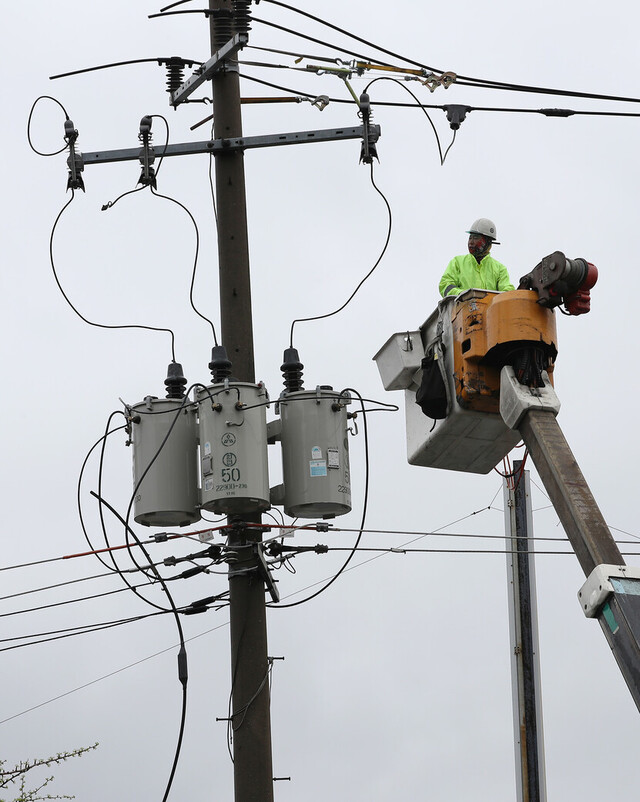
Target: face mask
[479, 245]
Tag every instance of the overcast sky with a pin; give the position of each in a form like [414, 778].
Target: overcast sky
[396, 681]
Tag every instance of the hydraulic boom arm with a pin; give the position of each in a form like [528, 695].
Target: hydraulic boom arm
[612, 590]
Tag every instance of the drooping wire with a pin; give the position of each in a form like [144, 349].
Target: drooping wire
[31, 145]
[195, 261]
[362, 281]
[182, 653]
[426, 113]
[74, 308]
[79, 485]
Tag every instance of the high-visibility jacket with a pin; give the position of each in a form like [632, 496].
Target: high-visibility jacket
[464, 273]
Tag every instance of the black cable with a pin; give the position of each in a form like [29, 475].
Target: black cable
[160, 61]
[110, 674]
[182, 653]
[443, 107]
[319, 41]
[111, 555]
[125, 521]
[99, 628]
[463, 80]
[31, 145]
[79, 490]
[195, 260]
[81, 316]
[73, 601]
[166, 139]
[79, 630]
[426, 113]
[377, 262]
[57, 585]
[364, 513]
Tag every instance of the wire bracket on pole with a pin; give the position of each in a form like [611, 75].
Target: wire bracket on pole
[236, 143]
[217, 62]
[264, 572]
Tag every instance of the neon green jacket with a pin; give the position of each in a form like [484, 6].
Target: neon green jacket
[464, 273]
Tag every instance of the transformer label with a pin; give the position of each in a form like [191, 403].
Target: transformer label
[333, 458]
[317, 467]
[207, 449]
[228, 439]
[316, 453]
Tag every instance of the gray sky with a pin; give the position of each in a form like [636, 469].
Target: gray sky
[395, 683]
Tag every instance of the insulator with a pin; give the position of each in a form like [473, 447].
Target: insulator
[223, 26]
[242, 15]
[175, 73]
[292, 370]
[220, 366]
[175, 381]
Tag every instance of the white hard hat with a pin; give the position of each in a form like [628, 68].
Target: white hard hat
[485, 227]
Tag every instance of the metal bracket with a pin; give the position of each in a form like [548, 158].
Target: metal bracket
[598, 587]
[516, 399]
[265, 573]
[205, 72]
[238, 143]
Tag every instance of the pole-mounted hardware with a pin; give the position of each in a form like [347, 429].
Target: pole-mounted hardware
[456, 114]
[218, 61]
[147, 154]
[368, 151]
[216, 146]
[75, 162]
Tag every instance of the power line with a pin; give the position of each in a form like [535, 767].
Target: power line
[463, 80]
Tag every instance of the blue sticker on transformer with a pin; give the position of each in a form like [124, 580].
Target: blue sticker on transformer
[317, 467]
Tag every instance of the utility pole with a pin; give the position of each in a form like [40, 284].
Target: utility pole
[250, 723]
[523, 629]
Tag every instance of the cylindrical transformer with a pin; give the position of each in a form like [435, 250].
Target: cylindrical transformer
[233, 448]
[166, 438]
[315, 453]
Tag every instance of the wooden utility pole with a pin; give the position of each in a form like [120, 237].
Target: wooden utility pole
[251, 719]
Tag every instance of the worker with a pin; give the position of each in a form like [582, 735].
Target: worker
[476, 269]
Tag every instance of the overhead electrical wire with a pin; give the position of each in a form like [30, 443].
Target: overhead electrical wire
[362, 281]
[88, 630]
[464, 80]
[443, 107]
[31, 145]
[195, 261]
[78, 313]
[41, 607]
[112, 673]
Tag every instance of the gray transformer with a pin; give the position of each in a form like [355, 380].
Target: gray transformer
[315, 453]
[233, 448]
[166, 438]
